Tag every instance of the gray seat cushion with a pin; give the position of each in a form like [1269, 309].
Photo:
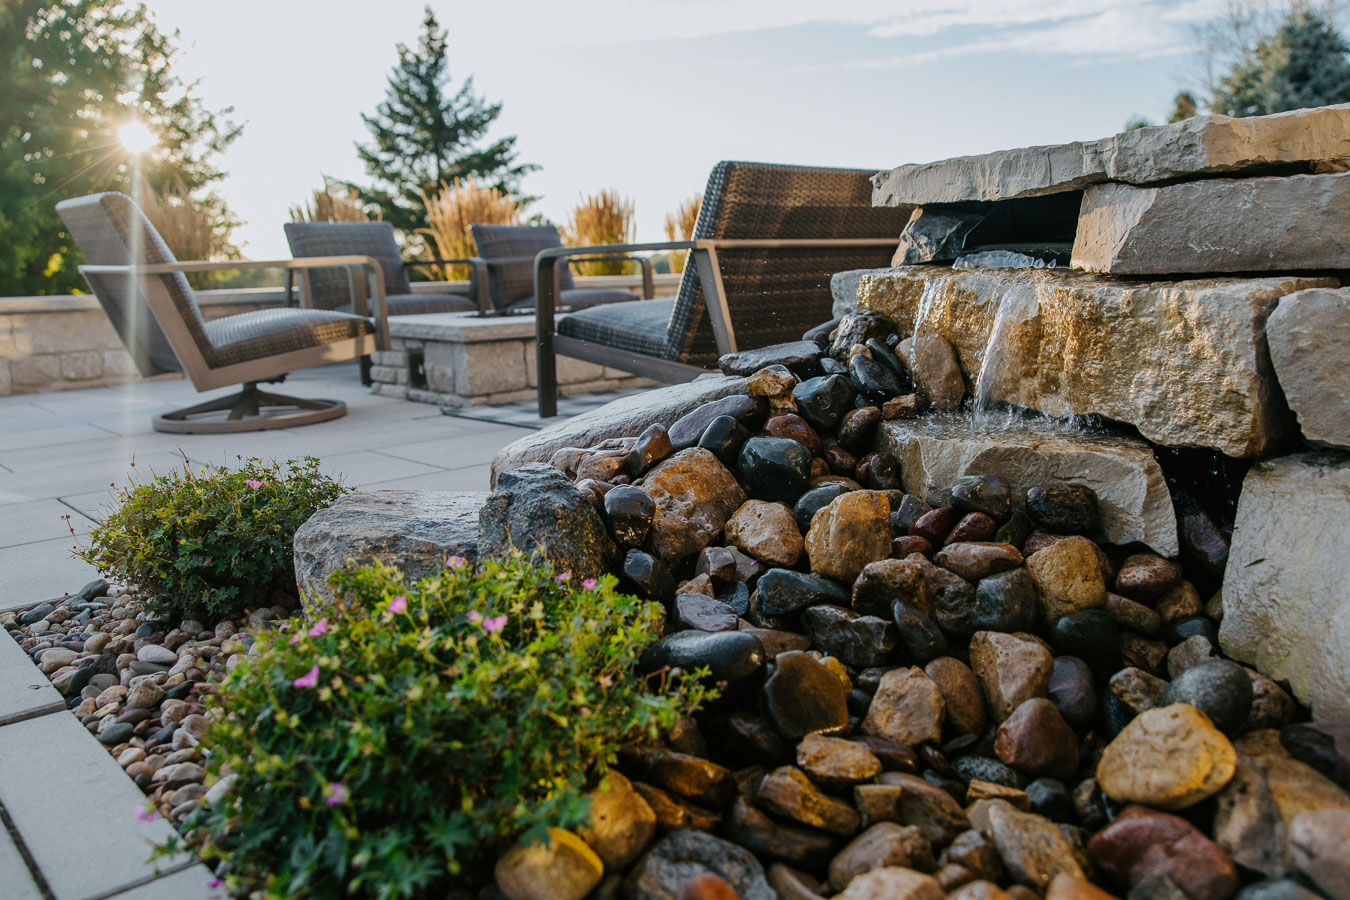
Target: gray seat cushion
[270, 332]
[580, 298]
[638, 326]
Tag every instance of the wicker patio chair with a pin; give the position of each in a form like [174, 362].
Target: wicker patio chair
[507, 252]
[767, 240]
[142, 288]
[332, 288]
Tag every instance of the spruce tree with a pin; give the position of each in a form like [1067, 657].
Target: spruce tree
[423, 135]
[1306, 62]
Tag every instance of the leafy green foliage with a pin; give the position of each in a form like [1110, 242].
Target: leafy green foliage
[404, 738]
[73, 73]
[424, 137]
[1305, 62]
[213, 541]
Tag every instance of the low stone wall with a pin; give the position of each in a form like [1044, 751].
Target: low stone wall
[63, 342]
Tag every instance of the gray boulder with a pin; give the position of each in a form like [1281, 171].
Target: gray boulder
[536, 509]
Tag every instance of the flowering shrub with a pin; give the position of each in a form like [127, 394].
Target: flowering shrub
[395, 745]
[212, 541]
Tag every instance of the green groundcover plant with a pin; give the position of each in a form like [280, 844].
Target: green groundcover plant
[394, 746]
[213, 541]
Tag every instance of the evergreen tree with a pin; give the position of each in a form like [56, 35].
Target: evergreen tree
[423, 136]
[73, 73]
[1306, 62]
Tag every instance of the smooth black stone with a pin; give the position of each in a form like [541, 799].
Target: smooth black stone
[813, 501]
[724, 437]
[953, 601]
[783, 591]
[647, 577]
[1007, 602]
[737, 597]
[145, 630]
[857, 427]
[821, 401]
[859, 702]
[919, 635]
[879, 472]
[1016, 530]
[1073, 692]
[986, 768]
[1116, 712]
[882, 354]
[831, 366]
[79, 681]
[1050, 798]
[1203, 544]
[664, 869]
[892, 340]
[96, 588]
[1324, 745]
[1189, 628]
[953, 786]
[73, 701]
[37, 614]
[752, 740]
[869, 680]
[179, 691]
[906, 513]
[872, 380]
[629, 512]
[165, 733]
[1063, 508]
[749, 411]
[820, 335]
[736, 657]
[800, 357]
[982, 493]
[115, 734]
[860, 641]
[775, 469]
[1221, 690]
[1091, 635]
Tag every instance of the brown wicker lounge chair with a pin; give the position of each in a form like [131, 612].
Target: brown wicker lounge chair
[142, 288]
[331, 288]
[767, 240]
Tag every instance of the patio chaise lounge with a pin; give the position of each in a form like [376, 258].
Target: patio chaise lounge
[767, 240]
[142, 288]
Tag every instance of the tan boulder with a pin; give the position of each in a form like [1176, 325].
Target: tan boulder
[1169, 757]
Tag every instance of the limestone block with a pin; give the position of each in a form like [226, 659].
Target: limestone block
[624, 417]
[1217, 225]
[844, 290]
[6, 385]
[472, 369]
[1185, 362]
[81, 365]
[1132, 496]
[1201, 145]
[1285, 607]
[414, 530]
[35, 371]
[1309, 334]
[117, 364]
[570, 371]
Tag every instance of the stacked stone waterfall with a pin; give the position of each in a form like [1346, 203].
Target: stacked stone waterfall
[1202, 307]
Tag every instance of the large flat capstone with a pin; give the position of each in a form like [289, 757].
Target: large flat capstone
[1185, 362]
[413, 530]
[1309, 334]
[1285, 606]
[1198, 146]
[1132, 496]
[624, 417]
[1286, 224]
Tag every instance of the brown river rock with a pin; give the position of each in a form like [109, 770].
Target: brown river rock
[1012, 669]
[854, 530]
[1169, 757]
[1140, 843]
[766, 531]
[695, 495]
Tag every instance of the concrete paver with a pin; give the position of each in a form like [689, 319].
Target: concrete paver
[24, 691]
[191, 883]
[14, 875]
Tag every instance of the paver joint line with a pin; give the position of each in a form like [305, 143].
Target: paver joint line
[17, 840]
[159, 873]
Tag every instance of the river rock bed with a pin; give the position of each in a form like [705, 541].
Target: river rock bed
[977, 701]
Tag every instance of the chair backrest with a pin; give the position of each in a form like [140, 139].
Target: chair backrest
[775, 295]
[111, 230]
[331, 287]
[512, 282]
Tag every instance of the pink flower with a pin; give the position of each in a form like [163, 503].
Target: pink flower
[335, 794]
[589, 584]
[564, 577]
[253, 484]
[456, 562]
[495, 624]
[398, 604]
[319, 627]
[145, 814]
[295, 638]
[585, 710]
[309, 679]
[474, 615]
[676, 672]
[207, 561]
[215, 883]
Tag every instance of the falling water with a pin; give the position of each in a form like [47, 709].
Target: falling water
[983, 415]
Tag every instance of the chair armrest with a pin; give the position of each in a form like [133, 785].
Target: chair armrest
[374, 278]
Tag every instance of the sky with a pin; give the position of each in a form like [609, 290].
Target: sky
[646, 96]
